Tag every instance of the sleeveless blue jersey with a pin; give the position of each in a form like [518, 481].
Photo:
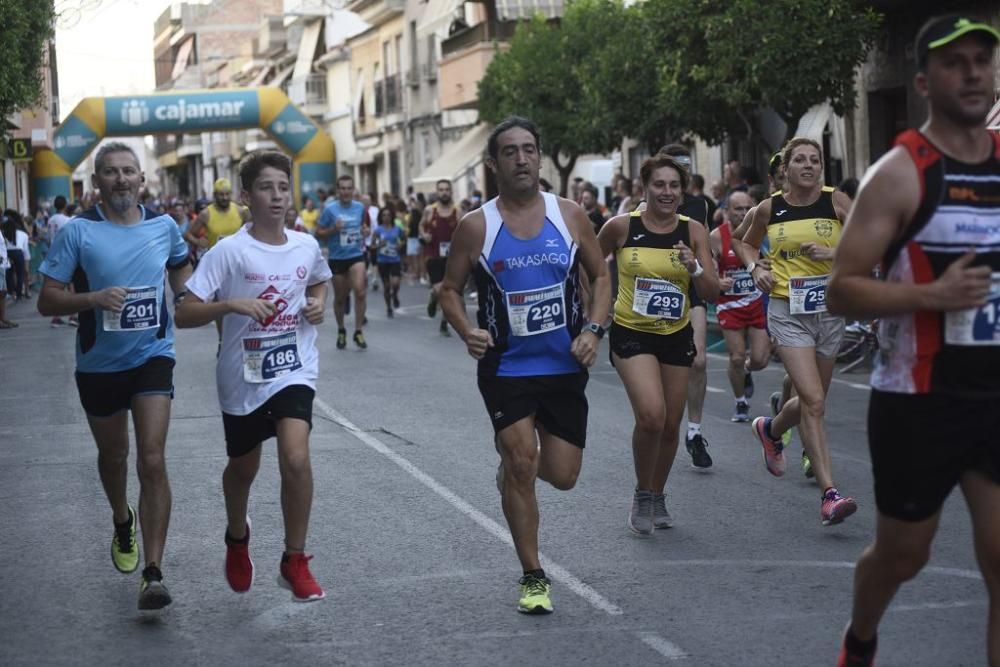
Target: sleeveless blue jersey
[529, 296]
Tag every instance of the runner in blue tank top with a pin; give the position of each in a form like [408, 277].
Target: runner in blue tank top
[533, 338]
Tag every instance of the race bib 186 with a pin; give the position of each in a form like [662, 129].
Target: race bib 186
[807, 295]
[658, 298]
[742, 283]
[267, 358]
[976, 326]
[141, 311]
[536, 311]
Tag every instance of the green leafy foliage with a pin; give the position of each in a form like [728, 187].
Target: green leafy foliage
[25, 25]
[662, 70]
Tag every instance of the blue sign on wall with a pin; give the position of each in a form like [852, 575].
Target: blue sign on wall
[292, 128]
[73, 140]
[190, 112]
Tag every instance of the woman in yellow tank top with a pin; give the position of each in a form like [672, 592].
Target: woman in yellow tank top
[802, 224]
[659, 253]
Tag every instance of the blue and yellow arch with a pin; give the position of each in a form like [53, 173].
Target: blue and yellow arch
[94, 118]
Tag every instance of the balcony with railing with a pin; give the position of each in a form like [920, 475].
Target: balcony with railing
[309, 93]
[464, 59]
[388, 96]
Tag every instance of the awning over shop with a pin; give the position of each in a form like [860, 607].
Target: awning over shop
[183, 53]
[307, 49]
[993, 118]
[813, 122]
[437, 14]
[453, 162]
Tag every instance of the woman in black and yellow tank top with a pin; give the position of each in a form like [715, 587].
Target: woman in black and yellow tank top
[659, 254]
[802, 224]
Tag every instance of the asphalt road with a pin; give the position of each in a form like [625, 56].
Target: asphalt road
[410, 541]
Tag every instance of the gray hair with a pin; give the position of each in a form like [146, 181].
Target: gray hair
[113, 147]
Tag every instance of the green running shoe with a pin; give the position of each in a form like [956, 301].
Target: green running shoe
[786, 437]
[534, 595]
[124, 548]
[807, 466]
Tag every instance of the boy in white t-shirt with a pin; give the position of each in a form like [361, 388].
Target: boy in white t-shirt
[268, 284]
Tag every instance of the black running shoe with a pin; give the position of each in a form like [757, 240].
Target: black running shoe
[341, 339]
[153, 594]
[697, 448]
[359, 340]
[748, 384]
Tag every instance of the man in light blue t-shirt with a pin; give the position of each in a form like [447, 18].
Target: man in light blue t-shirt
[343, 225]
[116, 255]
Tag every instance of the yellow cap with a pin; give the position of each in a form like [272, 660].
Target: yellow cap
[223, 185]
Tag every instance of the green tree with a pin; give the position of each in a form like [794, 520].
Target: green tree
[701, 67]
[25, 25]
[546, 75]
[786, 55]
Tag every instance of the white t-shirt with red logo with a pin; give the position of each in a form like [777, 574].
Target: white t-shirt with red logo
[259, 359]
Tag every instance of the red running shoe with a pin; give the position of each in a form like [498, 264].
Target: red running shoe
[239, 567]
[296, 577]
[774, 459]
[849, 659]
[835, 508]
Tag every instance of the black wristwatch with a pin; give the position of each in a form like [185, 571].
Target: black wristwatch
[595, 329]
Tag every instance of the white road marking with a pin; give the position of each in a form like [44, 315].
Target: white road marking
[667, 649]
[714, 390]
[552, 569]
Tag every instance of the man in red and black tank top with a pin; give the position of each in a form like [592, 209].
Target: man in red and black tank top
[436, 228]
[739, 308]
[929, 212]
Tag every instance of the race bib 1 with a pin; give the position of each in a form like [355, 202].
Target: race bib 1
[443, 248]
[807, 295]
[658, 298]
[141, 311]
[536, 311]
[267, 358]
[976, 326]
[350, 237]
[742, 283]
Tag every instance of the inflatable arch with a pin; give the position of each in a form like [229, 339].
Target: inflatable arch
[94, 118]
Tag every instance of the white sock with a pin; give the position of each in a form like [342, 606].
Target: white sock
[693, 429]
[741, 399]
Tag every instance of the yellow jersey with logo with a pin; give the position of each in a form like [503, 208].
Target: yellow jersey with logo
[791, 226]
[652, 282]
[222, 223]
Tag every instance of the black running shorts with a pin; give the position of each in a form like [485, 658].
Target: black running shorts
[435, 269]
[388, 270]
[922, 444]
[341, 266]
[245, 432]
[558, 403]
[676, 349]
[104, 394]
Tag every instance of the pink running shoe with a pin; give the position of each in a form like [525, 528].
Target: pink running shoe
[835, 508]
[773, 457]
[296, 577]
